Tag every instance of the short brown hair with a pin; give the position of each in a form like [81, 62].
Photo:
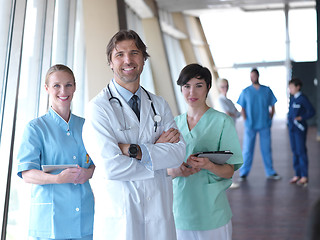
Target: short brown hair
[126, 35]
[56, 68]
[194, 70]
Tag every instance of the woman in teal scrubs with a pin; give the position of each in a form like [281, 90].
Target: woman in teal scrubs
[62, 203]
[201, 208]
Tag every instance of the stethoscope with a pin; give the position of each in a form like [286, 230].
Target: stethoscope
[156, 117]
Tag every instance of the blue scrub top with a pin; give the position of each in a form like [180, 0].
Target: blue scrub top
[57, 210]
[256, 103]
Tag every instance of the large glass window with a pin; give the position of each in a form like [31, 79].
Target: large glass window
[176, 62]
[303, 35]
[242, 37]
[29, 89]
[44, 42]
[176, 59]
[241, 40]
[5, 18]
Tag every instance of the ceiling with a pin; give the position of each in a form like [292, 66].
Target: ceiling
[245, 5]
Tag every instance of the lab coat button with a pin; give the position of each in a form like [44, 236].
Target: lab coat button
[148, 198]
[77, 209]
[68, 133]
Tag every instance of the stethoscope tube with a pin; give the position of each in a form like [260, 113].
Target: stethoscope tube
[156, 117]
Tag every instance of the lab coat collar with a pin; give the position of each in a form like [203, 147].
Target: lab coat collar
[126, 94]
[145, 108]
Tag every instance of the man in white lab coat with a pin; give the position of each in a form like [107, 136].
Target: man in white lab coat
[132, 141]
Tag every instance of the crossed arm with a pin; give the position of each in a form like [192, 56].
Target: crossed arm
[170, 136]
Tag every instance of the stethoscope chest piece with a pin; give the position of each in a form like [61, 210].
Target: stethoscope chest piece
[157, 118]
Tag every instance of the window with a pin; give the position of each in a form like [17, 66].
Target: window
[177, 63]
[303, 35]
[36, 41]
[241, 40]
[243, 37]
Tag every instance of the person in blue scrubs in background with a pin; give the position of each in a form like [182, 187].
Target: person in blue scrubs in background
[62, 204]
[257, 102]
[300, 110]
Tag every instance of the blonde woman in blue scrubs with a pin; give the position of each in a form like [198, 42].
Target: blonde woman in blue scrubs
[62, 203]
[201, 208]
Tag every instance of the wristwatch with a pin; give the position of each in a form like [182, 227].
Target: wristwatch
[133, 150]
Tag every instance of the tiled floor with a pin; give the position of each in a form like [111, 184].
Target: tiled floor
[275, 210]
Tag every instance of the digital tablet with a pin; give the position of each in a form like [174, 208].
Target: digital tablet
[50, 168]
[218, 157]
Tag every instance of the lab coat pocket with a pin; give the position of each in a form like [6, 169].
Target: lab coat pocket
[113, 201]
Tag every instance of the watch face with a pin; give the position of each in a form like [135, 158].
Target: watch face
[133, 149]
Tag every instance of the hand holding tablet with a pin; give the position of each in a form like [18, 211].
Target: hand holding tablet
[218, 157]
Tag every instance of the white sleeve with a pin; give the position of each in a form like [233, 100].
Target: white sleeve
[167, 155]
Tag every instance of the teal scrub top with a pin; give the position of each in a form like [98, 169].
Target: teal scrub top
[200, 201]
[60, 211]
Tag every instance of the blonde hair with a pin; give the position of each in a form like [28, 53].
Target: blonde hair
[56, 68]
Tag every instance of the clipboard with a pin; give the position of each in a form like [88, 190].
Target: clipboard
[50, 168]
[218, 157]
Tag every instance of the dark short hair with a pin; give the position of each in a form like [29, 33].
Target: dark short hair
[194, 70]
[126, 35]
[255, 71]
[57, 68]
[296, 81]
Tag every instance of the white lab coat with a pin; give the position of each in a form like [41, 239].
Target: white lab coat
[131, 202]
